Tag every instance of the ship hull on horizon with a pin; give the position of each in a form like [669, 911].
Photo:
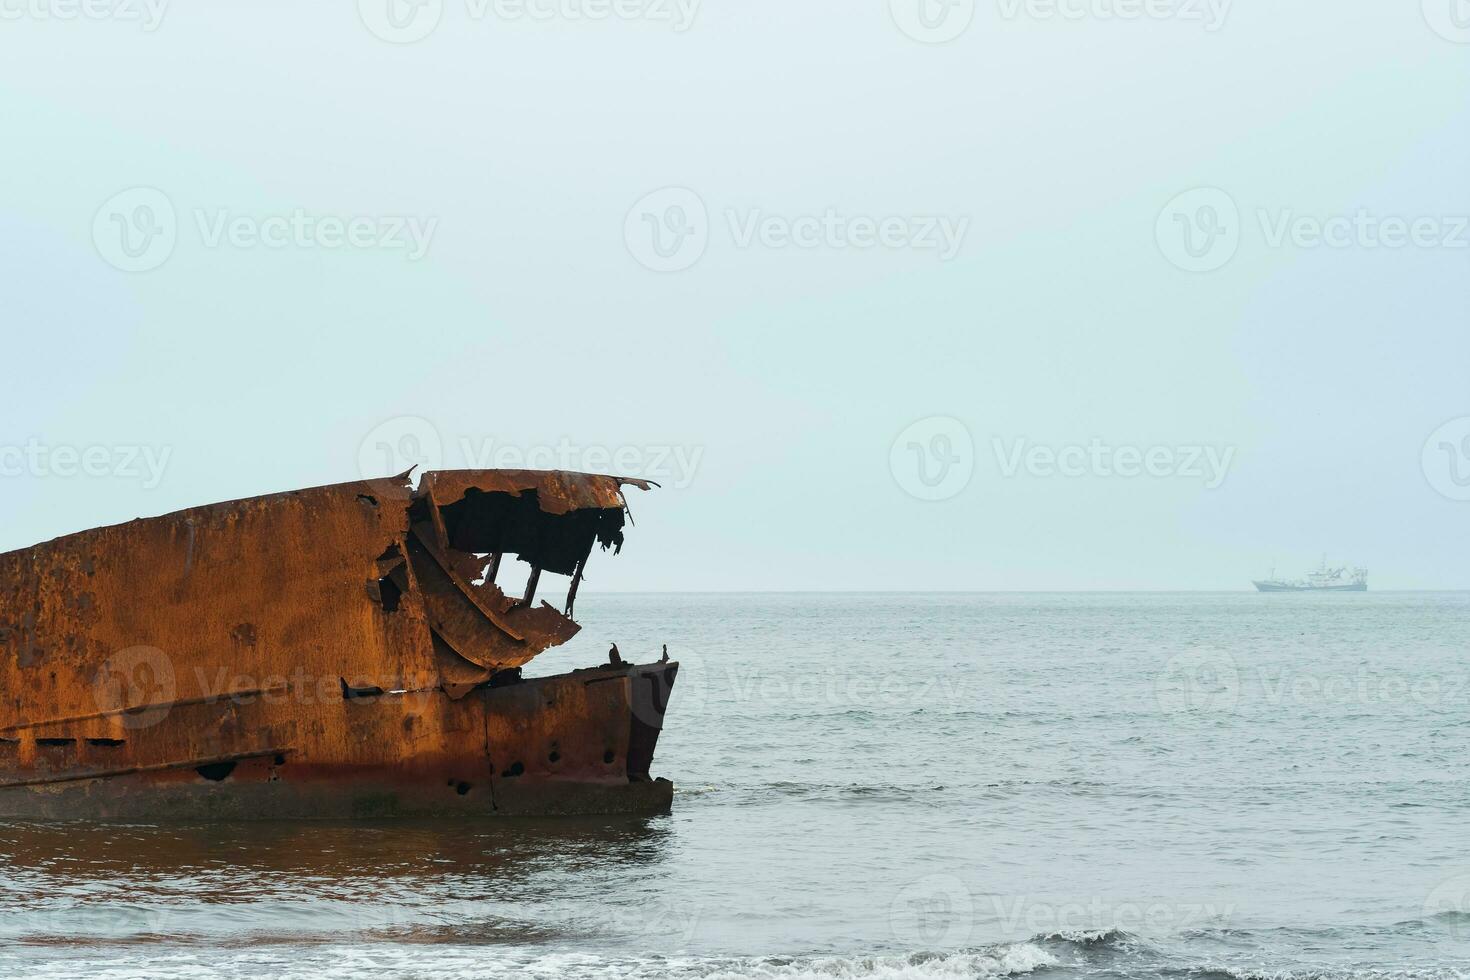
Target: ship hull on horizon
[1289, 587]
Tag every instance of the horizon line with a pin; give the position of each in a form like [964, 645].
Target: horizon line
[1008, 592]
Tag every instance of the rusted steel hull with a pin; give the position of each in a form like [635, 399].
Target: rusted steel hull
[578, 743]
[343, 652]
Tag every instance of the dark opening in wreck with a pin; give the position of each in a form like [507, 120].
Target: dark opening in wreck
[345, 651]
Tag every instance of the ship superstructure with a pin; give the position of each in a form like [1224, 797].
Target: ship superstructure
[1326, 578]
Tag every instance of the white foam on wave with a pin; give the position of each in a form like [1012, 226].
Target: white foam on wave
[974, 965]
[1426, 972]
[473, 963]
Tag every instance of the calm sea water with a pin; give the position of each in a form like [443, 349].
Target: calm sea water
[1055, 786]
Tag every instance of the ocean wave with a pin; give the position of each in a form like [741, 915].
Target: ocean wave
[1428, 972]
[845, 792]
[1004, 961]
[468, 963]
[1082, 955]
[1085, 938]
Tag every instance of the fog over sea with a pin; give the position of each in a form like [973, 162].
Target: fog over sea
[1184, 786]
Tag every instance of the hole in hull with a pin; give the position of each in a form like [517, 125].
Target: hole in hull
[216, 771]
[350, 693]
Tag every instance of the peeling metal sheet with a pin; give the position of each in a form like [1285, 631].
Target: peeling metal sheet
[556, 492]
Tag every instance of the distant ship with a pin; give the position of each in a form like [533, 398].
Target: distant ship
[1324, 579]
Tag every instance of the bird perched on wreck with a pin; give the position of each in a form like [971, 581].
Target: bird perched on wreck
[665, 658]
[613, 657]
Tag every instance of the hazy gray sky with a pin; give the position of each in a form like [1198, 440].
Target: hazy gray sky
[807, 263]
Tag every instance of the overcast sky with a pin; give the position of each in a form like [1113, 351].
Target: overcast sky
[996, 295]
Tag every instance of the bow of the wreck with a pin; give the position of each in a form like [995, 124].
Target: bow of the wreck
[340, 652]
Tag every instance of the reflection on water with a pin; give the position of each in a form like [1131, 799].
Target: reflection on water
[86, 882]
[506, 848]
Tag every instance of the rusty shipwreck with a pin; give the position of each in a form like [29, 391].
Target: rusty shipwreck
[334, 653]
